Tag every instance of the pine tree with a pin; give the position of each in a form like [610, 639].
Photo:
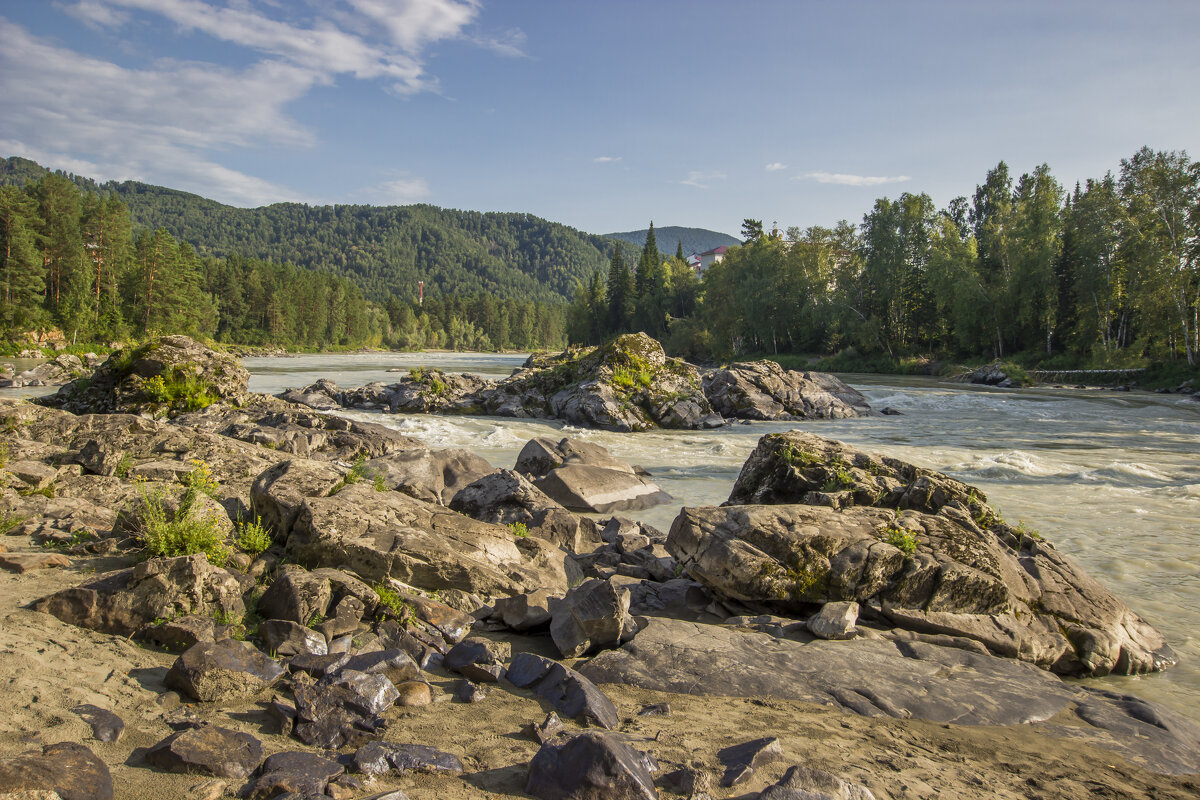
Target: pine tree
[21, 282]
[620, 293]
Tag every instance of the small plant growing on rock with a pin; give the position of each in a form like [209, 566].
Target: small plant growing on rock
[519, 529]
[164, 535]
[199, 481]
[9, 522]
[4, 454]
[1026, 532]
[840, 479]
[252, 537]
[390, 599]
[796, 456]
[902, 539]
[124, 465]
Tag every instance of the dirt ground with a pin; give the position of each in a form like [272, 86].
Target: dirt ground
[47, 667]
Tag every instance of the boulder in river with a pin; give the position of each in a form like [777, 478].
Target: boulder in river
[763, 390]
[926, 554]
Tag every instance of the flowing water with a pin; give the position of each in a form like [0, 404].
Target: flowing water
[1110, 478]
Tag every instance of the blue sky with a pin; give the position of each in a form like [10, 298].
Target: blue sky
[601, 115]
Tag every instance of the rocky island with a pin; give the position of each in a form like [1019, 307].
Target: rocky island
[210, 593]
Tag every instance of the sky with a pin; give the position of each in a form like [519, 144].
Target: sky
[600, 115]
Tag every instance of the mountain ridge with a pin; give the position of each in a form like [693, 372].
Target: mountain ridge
[695, 240]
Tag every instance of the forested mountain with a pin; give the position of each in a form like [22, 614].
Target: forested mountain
[385, 249]
[695, 240]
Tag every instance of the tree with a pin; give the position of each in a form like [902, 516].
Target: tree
[752, 230]
[107, 242]
[1035, 248]
[61, 248]
[991, 217]
[1162, 192]
[20, 268]
[620, 293]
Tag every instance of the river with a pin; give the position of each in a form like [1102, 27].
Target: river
[1111, 478]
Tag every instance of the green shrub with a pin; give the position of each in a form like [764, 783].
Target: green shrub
[840, 479]
[901, 538]
[519, 529]
[252, 538]
[179, 391]
[124, 465]
[796, 456]
[389, 598]
[9, 522]
[164, 535]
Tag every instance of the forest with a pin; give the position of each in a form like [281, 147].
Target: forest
[1104, 274]
[73, 260]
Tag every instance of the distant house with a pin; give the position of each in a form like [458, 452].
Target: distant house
[693, 261]
[710, 257]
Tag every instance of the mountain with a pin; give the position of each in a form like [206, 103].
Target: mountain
[384, 249]
[695, 240]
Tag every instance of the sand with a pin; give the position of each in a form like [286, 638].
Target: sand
[47, 667]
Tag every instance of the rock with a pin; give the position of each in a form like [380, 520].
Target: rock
[434, 476]
[343, 709]
[181, 633]
[809, 783]
[541, 456]
[382, 534]
[413, 694]
[594, 614]
[478, 659]
[990, 375]
[285, 638]
[207, 750]
[68, 769]
[122, 602]
[392, 661]
[304, 774]
[284, 715]
[741, 760]
[655, 710]
[34, 474]
[432, 391]
[834, 620]
[106, 726]
[211, 789]
[467, 692]
[526, 611]
[506, 497]
[223, 670]
[165, 377]
[370, 691]
[550, 728]
[569, 692]
[763, 390]
[25, 562]
[296, 595]
[590, 765]
[581, 487]
[318, 665]
[377, 758]
[928, 552]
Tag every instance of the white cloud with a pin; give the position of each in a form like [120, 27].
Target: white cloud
[844, 179]
[167, 121]
[606, 159]
[398, 192]
[701, 180]
[775, 166]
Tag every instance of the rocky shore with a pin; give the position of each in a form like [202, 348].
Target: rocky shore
[208, 593]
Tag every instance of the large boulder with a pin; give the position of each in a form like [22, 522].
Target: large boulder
[507, 497]
[388, 534]
[66, 770]
[583, 476]
[124, 601]
[223, 670]
[923, 551]
[904, 679]
[432, 391]
[434, 476]
[593, 615]
[167, 376]
[590, 765]
[763, 390]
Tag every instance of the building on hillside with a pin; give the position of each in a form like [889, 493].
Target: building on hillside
[710, 257]
[693, 261]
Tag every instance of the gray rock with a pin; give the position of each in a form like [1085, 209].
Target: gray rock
[371, 692]
[319, 665]
[181, 633]
[835, 620]
[208, 750]
[550, 728]
[594, 614]
[590, 765]
[393, 662]
[809, 783]
[69, 769]
[106, 726]
[569, 692]
[339, 715]
[123, 602]
[435, 476]
[478, 659]
[377, 758]
[467, 692]
[296, 595]
[381, 534]
[741, 760]
[763, 390]
[286, 638]
[528, 610]
[304, 774]
[582, 487]
[223, 670]
[902, 679]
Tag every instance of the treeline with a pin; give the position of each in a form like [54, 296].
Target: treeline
[1108, 273]
[71, 260]
[385, 249]
[477, 322]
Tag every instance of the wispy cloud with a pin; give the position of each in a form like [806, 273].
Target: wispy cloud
[167, 121]
[606, 159]
[702, 180]
[843, 179]
[775, 166]
[400, 191]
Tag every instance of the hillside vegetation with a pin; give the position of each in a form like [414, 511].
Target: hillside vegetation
[694, 240]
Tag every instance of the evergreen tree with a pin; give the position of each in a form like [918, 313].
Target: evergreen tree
[21, 274]
[620, 293]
